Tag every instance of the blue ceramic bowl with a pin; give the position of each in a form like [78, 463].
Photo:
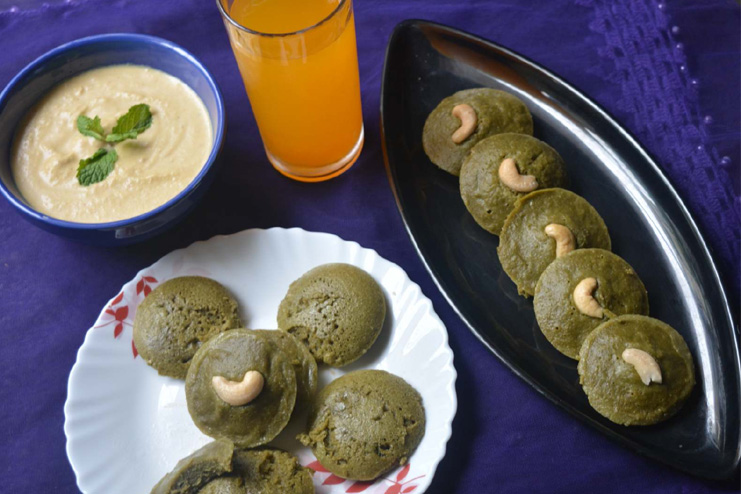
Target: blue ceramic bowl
[88, 53]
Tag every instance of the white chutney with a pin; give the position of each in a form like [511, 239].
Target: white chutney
[151, 170]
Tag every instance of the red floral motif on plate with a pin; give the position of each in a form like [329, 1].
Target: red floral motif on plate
[398, 485]
[119, 314]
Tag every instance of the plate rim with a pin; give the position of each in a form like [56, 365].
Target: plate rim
[450, 391]
[633, 141]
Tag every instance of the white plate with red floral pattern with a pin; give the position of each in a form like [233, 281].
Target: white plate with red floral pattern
[127, 426]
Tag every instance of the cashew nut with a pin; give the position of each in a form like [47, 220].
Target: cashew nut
[510, 176]
[468, 118]
[565, 241]
[238, 393]
[645, 365]
[584, 300]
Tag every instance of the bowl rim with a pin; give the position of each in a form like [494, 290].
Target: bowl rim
[25, 74]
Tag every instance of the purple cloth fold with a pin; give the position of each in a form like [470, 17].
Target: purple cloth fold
[682, 102]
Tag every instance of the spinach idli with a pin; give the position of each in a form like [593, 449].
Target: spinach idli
[578, 291]
[272, 471]
[177, 317]
[636, 370]
[502, 168]
[336, 310]
[464, 118]
[242, 387]
[224, 485]
[543, 225]
[364, 424]
[218, 468]
[197, 469]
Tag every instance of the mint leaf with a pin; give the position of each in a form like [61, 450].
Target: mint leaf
[97, 167]
[90, 127]
[137, 120]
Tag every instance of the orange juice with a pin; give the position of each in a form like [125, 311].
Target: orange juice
[299, 63]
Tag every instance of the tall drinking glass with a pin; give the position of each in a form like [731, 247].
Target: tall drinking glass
[299, 63]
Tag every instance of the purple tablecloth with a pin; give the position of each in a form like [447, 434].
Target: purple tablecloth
[668, 72]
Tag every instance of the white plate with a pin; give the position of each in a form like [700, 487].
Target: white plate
[127, 426]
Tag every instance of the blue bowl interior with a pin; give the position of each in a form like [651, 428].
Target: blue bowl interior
[89, 53]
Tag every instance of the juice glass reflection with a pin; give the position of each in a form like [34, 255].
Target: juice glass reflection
[299, 63]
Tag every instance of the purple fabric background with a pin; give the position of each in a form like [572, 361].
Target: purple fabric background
[669, 72]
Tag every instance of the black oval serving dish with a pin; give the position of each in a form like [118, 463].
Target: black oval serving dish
[650, 227]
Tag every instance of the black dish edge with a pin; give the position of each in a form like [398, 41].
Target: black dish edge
[735, 470]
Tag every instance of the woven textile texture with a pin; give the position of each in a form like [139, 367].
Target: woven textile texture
[660, 100]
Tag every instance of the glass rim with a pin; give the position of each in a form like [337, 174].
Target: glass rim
[239, 26]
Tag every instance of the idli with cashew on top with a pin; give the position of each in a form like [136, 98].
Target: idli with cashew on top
[581, 290]
[242, 387]
[502, 168]
[545, 225]
[636, 370]
[465, 118]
